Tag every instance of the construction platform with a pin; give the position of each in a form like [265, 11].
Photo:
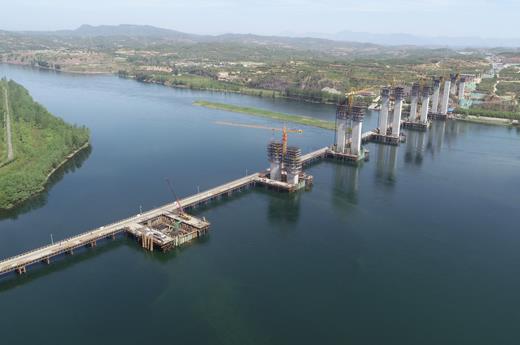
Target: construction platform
[348, 157]
[415, 125]
[437, 116]
[168, 231]
[385, 139]
[305, 182]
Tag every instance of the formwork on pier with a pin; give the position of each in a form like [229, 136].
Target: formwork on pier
[386, 139]
[437, 116]
[349, 157]
[293, 161]
[275, 151]
[169, 230]
[305, 181]
[416, 125]
[292, 177]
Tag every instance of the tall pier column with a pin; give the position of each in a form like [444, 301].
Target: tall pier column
[358, 113]
[413, 101]
[436, 95]
[462, 88]
[341, 129]
[341, 126]
[274, 155]
[425, 104]
[445, 97]
[453, 85]
[383, 113]
[398, 109]
[275, 172]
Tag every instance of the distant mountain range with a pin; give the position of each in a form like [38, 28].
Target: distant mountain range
[347, 38]
[123, 30]
[425, 41]
[146, 35]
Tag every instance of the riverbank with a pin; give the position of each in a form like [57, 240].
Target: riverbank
[299, 119]
[485, 120]
[56, 70]
[44, 185]
[67, 158]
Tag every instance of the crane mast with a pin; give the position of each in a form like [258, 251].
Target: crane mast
[182, 214]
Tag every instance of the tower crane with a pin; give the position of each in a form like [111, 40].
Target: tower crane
[285, 131]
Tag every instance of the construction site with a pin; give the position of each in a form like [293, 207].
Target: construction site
[170, 226]
[424, 101]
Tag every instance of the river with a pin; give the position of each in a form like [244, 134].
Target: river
[417, 246]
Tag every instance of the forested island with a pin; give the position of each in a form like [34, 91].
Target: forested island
[40, 143]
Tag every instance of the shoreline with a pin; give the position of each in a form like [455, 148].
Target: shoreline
[57, 70]
[49, 175]
[183, 87]
[492, 121]
[484, 120]
[64, 161]
[278, 95]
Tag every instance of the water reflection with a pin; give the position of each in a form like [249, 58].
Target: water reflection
[386, 164]
[40, 199]
[283, 208]
[346, 184]
[62, 263]
[454, 130]
[415, 147]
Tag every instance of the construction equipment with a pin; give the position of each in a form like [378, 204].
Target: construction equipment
[285, 131]
[182, 214]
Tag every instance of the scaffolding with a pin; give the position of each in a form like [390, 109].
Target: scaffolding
[293, 161]
[349, 117]
[275, 152]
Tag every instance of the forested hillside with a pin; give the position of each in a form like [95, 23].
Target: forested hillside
[41, 142]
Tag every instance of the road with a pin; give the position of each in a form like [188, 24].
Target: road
[10, 154]
[495, 87]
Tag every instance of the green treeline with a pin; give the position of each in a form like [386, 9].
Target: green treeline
[488, 113]
[303, 120]
[208, 82]
[41, 142]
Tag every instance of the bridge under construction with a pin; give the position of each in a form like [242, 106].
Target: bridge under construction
[170, 226]
[162, 228]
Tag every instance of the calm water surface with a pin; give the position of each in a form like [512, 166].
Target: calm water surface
[418, 246]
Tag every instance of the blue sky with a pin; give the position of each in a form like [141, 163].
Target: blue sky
[485, 18]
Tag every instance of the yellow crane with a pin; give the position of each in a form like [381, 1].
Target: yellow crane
[284, 130]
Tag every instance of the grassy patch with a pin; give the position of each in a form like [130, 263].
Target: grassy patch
[302, 120]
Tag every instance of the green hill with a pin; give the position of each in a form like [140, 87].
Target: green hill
[41, 143]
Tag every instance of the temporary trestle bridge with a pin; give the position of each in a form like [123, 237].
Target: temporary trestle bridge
[163, 228]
